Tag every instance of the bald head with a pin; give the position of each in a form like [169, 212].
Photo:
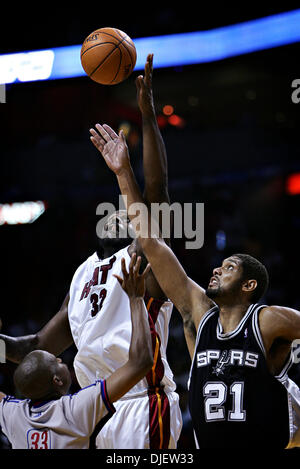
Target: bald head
[41, 375]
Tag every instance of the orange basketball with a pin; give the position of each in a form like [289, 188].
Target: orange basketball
[108, 56]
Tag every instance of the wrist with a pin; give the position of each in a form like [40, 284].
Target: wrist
[134, 298]
[124, 171]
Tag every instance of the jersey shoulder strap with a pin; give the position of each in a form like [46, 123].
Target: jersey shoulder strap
[211, 312]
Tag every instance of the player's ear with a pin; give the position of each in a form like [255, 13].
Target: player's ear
[249, 285]
[57, 381]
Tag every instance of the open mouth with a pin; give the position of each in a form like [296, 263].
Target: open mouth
[213, 282]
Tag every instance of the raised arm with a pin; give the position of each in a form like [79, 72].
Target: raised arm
[54, 337]
[155, 163]
[140, 358]
[188, 297]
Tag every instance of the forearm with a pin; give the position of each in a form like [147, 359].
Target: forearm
[154, 161]
[140, 358]
[154, 151]
[147, 234]
[140, 351]
[132, 195]
[17, 347]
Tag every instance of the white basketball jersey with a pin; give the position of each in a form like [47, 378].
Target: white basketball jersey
[66, 423]
[100, 321]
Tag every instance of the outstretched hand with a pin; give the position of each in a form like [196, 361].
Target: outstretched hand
[144, 88]
[132, 282]
[112, 146]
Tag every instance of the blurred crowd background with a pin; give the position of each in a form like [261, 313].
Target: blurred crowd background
[232, 143]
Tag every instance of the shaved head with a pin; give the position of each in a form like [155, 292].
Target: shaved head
[38, 374]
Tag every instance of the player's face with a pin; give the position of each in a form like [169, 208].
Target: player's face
[64, 374]
[61, 370]
[117, 232]
[118, 226]
[226, 279]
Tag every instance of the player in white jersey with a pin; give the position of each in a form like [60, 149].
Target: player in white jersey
[150, 416]
[99, 317]
[49, 418]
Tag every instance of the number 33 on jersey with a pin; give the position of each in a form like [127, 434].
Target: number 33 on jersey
[38, 439]
[99, 278]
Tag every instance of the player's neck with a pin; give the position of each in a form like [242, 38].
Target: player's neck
[231, 316]
[52, 396]
[108, 252]
[109, 247]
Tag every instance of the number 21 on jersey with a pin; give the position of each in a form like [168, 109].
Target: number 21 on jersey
[215, 394]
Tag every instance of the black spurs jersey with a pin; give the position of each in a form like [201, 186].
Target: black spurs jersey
[234, 401]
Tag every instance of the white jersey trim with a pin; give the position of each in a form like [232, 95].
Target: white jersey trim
[282, 376]
[237, 330]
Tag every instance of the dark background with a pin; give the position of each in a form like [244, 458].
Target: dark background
[238, 143]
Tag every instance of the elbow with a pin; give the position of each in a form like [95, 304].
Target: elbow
[145, 364]
[35, 342]
[148, 364]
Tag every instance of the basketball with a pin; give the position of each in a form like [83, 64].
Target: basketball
[108, 56]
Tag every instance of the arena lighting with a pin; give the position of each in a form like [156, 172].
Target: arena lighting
[169, 51]
[20, 213]
[168, 110]
[293, 184]
[176, 120]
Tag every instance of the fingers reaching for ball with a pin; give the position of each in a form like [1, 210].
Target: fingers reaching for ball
[104, 135]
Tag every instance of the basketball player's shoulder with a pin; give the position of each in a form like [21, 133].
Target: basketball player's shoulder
[83, 267]
[278, 313]
[279, 319]
[90, 259]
